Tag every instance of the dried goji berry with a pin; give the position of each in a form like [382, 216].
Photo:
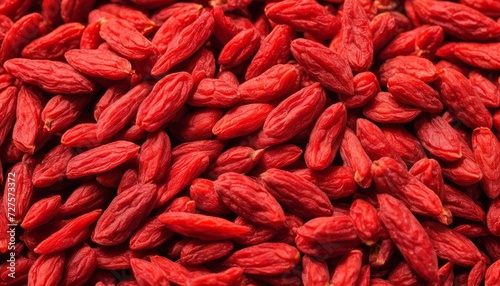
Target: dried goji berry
[202, 226]
[409, 236]
[101, 159]
[56, 43]
[296, 194]
[324, 65]
[243, 196]
[72, 233]
[125, 39]
[44, 264]
[486, 148]
[51, 76]
[124, 214]
[307, 16]
[157, 109]
[265, 258]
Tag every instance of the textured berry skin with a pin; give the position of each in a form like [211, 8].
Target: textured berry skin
[409, 236]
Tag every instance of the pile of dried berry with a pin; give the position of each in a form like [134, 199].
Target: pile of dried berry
[240, 142]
